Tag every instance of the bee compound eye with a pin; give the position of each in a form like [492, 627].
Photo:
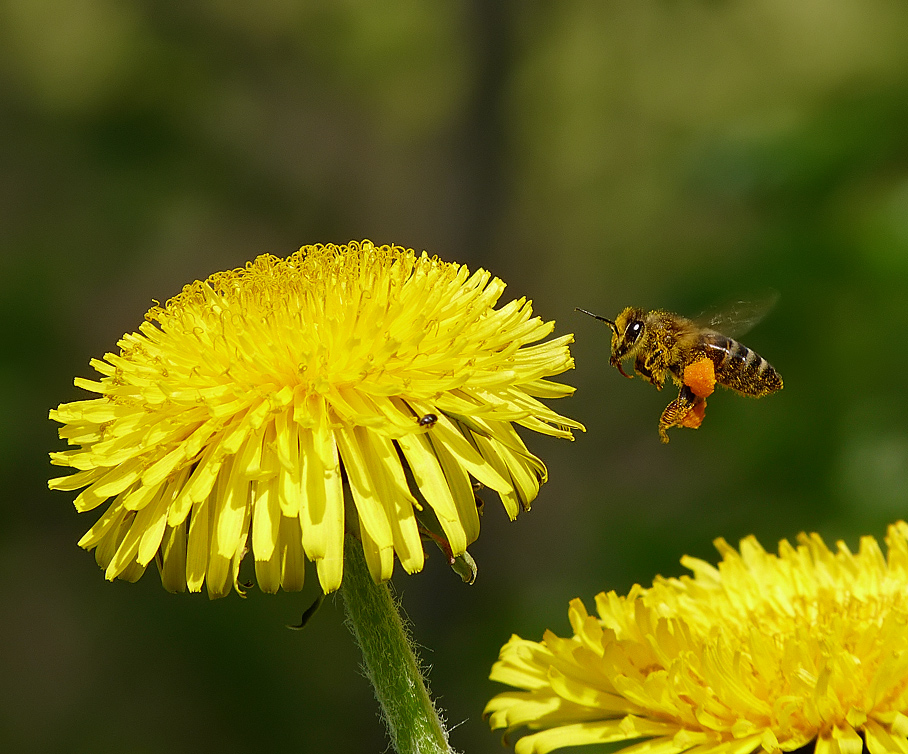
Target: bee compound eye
[633, 331]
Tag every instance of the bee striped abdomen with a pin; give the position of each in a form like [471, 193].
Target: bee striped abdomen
[740, 368]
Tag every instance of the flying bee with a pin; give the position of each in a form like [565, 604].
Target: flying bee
[694, 353]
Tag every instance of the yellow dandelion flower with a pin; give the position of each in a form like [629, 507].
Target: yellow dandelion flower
[764, 653]
[270, 409]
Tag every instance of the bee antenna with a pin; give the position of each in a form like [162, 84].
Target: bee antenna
[607, 321]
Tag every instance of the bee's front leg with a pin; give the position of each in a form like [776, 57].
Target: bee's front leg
[685, 411]
[646, 369]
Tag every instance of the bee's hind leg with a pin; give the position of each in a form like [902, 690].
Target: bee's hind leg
[685, 411]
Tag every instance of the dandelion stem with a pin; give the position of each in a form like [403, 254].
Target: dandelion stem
[390, 659]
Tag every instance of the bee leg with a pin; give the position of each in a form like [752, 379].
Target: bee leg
[654, 365]
[676, 411]
[641, 367]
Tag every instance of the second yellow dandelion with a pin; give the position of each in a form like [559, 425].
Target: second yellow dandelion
[764, 653]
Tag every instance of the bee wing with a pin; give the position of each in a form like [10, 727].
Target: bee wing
[737, 317]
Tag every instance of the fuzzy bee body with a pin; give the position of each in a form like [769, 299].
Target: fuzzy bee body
[663, 343]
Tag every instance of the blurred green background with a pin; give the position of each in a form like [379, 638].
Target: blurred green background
[597, 154]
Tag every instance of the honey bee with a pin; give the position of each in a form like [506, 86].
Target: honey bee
[661, 343]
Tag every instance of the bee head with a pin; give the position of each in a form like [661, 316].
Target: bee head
[627, 329]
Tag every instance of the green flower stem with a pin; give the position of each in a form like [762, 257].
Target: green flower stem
[390, 660]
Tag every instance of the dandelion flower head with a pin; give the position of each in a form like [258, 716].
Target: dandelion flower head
[765, 653]
[271, 408]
